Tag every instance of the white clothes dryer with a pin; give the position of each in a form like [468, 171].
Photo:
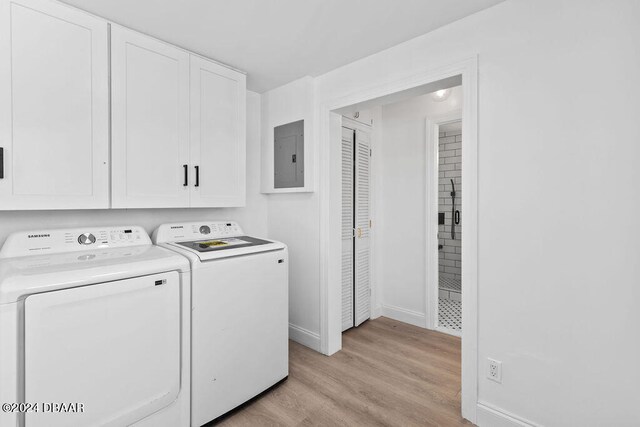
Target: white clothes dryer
[94, 329]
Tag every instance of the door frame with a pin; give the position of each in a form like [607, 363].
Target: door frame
[432, 130]
[329, 150]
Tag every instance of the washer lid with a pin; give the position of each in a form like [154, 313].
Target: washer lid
[211, 249]
[25, 275]
[209, 240]
[212, 245]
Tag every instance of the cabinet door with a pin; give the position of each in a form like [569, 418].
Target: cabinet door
[218, 146]
[150, 122]
[54, 107]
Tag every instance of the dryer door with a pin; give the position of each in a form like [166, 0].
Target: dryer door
[112, 347]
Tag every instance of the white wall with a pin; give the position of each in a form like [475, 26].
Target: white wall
[400, 204]
[558, 136]
[293, 218]
[253, 217]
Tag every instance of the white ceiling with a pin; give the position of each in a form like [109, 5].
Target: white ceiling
[277, 41]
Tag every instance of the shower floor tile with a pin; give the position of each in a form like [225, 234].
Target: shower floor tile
[450, 314]
[449, 284]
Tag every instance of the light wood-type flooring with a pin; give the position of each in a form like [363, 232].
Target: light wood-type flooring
[388, 373]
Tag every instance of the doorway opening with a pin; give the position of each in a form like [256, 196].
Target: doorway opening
[449, 306]
[331, 108]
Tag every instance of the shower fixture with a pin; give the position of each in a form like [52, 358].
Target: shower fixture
[455, 216]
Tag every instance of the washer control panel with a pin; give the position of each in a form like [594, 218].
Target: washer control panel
[72, 239]
[196, 230]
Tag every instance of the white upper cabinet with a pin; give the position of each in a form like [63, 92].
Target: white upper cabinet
[150, 122]
[167, 151]
[177, 136]
[218, 148]
[54, 107]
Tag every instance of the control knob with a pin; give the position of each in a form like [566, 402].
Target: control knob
[86, 239]
[205, 229]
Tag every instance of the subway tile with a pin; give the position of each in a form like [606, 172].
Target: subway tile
[454, 160]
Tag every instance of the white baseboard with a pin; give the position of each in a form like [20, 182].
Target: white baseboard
[490, 416]
[304, 337]
[403, 315]
[376, 312]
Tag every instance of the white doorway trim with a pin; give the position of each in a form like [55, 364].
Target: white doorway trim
[329, 171]
[432, 129]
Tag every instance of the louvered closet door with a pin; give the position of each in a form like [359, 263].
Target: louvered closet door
[362, 294]
[347, 228]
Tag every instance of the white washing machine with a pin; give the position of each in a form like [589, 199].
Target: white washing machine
[94, 330]
[239, 313]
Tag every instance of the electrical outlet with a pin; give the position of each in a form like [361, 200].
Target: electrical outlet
[494, 371]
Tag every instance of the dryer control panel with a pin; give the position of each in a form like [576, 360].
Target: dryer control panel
[196, 230]
[72, 240]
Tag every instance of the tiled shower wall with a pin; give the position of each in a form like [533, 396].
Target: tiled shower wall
[450, 167]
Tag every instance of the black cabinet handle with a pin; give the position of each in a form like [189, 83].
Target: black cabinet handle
[457, 217]
[1, 163]
[197, 184]
[186, 175]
